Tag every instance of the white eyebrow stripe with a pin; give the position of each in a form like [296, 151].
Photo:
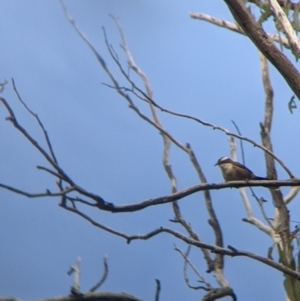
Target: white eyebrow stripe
[223, 159]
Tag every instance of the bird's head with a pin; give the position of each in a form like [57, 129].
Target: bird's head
[223, 160]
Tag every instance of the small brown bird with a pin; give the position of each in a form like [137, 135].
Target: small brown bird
[235, 171]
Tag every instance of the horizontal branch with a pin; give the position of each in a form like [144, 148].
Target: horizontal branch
[201, 187]
[36, 195]
[106, 206]
[234, 27]
[103, 296]
[230, 251]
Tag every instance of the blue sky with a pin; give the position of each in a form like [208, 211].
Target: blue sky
[193, 67]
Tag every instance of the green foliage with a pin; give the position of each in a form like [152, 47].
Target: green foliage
[295, 20]
[265, 14]
[291, 285]
[292, 288]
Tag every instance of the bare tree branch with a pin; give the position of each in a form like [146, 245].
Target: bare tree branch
[213, 221]
[219, 293]
[282, 3]
[271, 171]
[38, 121]
[94, 223]
[75, 289]
[100, 203]
[104, 276]
[193, 239]
[286, 26]
[103, 296]
[158, 289]
[166, 142]
[207, 286]
[14, 121]
[230, 251]
[260, 202]
[160, 200]
[193, 189]
[251, 219]
[236, 28]
[126, 96]
[36, 195]
[292, 194]
[281, 218]
[259, 37]
[215, 127]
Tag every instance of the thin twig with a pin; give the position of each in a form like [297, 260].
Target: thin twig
[218, 263]
[291, 195]
[53, 173]
[158, 289]
[230, 251]
[262, 210]
[236, 28]
[213, 126]
[75, 289]
[250, 216]
[14, 121]
[94, 223]
[167, 138]
[38, 121]
[207, 286]
[241, 142]
[150, 100]
[37, 195]
[104, 276]
[281, 214]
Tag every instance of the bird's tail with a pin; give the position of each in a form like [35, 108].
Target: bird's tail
[260, 178]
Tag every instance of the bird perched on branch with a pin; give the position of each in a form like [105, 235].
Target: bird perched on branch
[235, 171]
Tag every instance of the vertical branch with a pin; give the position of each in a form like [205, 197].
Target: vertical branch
[213, 222]
[166, 144]
[187, 262]
[104, 276]
[251, 219]
[241, 144]
[75, 289]
[281, 220]
[149, 93]
[286, 27]
[158, 289]
[267, 124]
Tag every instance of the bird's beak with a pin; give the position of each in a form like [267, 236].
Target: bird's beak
[216, 164]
